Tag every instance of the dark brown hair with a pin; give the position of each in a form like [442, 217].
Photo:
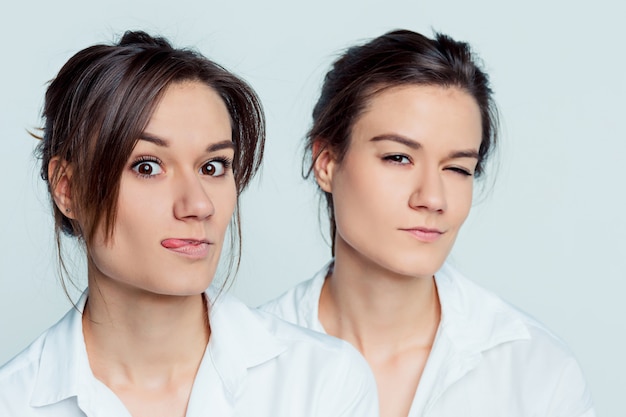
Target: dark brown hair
[100, 102]
[397, 58]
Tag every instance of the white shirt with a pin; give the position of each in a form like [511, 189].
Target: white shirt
[488, 359]
[254, 365]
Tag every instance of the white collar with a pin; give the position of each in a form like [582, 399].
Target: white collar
[471, 327]
[473, 321]
[240, 340]
[63, 365]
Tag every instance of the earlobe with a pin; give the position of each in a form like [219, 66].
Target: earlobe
[59, 177]
[323, 165]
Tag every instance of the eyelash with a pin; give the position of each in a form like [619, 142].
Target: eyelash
[225, 162]
[396, 158]
[461, 171]
[142, 159]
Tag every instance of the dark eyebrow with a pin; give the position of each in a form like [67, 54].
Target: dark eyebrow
[225, 144]
[400, 139]
[154, 139]
[214, 147]
[469, 153]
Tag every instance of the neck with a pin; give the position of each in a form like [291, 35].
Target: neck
[380, 312]
[137, 337]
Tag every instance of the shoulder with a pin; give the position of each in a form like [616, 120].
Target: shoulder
[299, 305]
[18, 378]
[41, 373]
[491, 318]
[516, 350]
[311, 368]
[545, 360]
[264, 326]
[504, 316]
[293, 334]
[24, 363]
[543, 369]
[331, 369]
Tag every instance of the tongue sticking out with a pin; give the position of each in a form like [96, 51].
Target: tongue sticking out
[177, 243]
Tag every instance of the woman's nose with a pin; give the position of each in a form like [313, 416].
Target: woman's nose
[192, 199]
[429, 193]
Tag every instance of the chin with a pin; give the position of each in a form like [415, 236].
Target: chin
[417, 266]
[183, 287]
[417, 272]
[182, 292]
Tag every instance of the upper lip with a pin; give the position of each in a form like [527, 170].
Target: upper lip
[190, 241]
[196, 240]
[424, 229]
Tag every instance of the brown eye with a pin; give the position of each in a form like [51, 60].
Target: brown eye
[398, 159]
[147, 168]
[208, 169]
[215, 168]
[144, 169]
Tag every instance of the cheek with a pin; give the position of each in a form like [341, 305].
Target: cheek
[363, 196]
[230, 205]
[225, 201]
[349, 191]
[460, 201]
[139, 211]
[369, 182]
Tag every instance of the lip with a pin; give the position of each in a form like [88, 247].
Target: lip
[424, 234]
[190, 248]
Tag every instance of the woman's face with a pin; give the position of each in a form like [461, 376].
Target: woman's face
[404, 187]
[177, 195]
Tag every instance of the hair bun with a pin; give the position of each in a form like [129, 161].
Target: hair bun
[141, 38]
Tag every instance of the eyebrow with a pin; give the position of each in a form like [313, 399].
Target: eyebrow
[225, 144]
[469, 153]
[214, 147]
[413, 144]
[410, 143]
[154, 139]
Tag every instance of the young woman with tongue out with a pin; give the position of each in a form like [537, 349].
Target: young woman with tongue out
[403, 126]
[145, 151]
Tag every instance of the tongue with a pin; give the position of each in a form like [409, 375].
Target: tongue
[175, 243]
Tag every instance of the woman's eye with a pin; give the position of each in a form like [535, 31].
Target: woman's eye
[147, 168]
[398, 159]
[215, 168]
[461, 171]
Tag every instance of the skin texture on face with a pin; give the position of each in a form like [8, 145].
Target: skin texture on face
[176, 199]
[404, 186]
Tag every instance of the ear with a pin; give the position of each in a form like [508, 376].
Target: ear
[59, 177]
[324, 165]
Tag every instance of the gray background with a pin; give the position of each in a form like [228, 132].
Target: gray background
[548, 234]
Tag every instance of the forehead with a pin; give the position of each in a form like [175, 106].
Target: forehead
[422, 113]
[188, 109]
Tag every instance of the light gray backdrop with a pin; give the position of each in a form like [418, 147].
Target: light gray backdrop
[549, 236]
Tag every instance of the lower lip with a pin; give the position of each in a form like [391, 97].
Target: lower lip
[423, 235]
[192, 250]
